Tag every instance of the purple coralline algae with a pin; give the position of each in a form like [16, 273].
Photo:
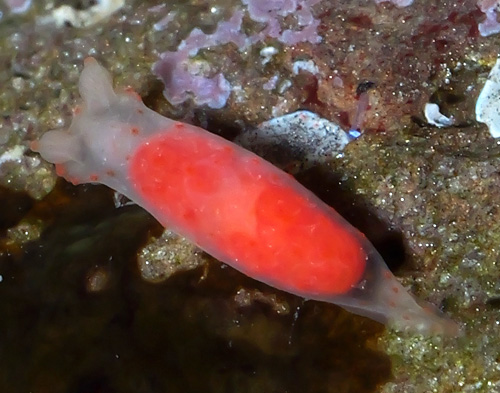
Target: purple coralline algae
[269, 12]
[185, 77]
[490, 25]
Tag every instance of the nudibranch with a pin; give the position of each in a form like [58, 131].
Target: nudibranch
[230, 202]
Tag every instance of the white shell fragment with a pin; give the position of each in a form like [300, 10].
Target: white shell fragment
[296, 141]
[66, 14]
[434, 116]
[488, 102]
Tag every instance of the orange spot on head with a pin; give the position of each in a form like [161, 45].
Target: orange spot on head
[110, 172]
[406, 317]
[93, 177]
[89, 60]
[73, 180]
[77, 110]
[35, 145]
[140, 111]
[392, 304]
[130, 91]
[179, 125]
[60, 169]
[395, 289]
[134, 131]
[387, 274]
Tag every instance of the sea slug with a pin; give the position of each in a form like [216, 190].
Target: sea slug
[233, 204]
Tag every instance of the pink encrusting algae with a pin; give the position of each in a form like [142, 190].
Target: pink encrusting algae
[184, 78]
[489, 25]
[233, 204]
